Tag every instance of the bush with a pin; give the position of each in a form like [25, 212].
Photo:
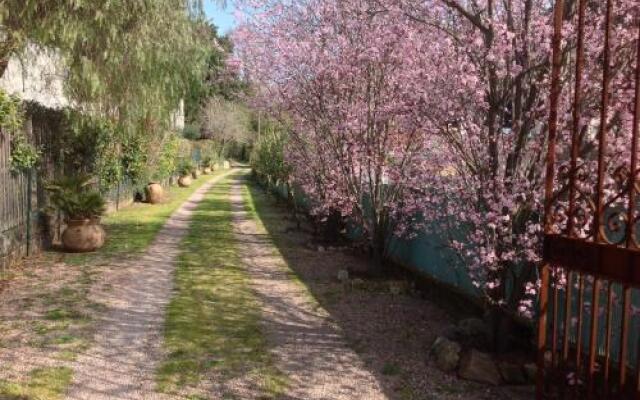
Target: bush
[11, 113]
[24, 155]
[191, 132]
[185, 168]
[207, 162]
[75, 197]
[267, 156]
[168, 159]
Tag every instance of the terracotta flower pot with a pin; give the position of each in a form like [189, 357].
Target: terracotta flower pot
[184, 181]
[207, 171]
[83, 235]
[154, 193]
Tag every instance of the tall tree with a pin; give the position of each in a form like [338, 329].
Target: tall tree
[224, 122]
[492, 88]
[130, 58]
[340, 72]
[440, 107]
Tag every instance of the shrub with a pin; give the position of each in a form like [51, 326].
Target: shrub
[185, 168]
[76, 198]
[267, 156]
[191, 132]
[24, 155]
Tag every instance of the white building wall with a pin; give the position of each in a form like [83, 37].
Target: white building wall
[36, 75]
[177, 118]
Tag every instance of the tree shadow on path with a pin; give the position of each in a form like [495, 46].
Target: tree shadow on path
[391, 333]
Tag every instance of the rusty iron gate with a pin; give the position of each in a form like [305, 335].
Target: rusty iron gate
[588, 333]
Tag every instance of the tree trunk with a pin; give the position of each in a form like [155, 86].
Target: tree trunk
[378, 253]
[4, 63]
[501, 329]
[377, 262]
[292, 200]
[331, 228]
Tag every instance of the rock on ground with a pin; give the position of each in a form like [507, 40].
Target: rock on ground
[446, 353]
[512, 374]
[479, 367]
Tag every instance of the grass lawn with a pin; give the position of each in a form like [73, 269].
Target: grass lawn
[213, 322]
[49, 383]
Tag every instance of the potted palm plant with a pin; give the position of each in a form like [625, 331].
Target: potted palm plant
[185, 171]
[82, 207]
[195, 173]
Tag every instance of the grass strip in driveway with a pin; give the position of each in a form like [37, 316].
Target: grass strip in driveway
[213, 327]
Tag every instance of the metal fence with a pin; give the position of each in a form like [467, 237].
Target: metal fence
[22, 195]
[25, 227]
[13, 206]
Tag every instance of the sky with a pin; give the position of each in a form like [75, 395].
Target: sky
[222, 18]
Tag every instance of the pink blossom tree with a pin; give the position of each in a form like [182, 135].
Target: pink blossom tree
[492, 86]
[493, 128]
[440, 107]
[342, 73]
